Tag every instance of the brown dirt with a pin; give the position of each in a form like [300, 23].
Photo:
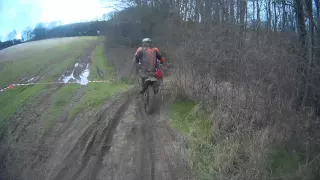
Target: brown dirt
[116, 141]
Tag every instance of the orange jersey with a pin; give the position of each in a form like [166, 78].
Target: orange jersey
[148, 57]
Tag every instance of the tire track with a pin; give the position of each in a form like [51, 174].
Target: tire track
[31, 114]
[148, 146]
[157, 139]
[95, 142]
[109, 131]
[146, 151]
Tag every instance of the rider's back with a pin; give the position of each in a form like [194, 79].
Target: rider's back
[148, 58]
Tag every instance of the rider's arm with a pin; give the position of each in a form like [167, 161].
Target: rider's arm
[159, 56]
[138, 54]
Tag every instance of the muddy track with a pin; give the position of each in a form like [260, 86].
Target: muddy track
[21, 124]
[117, 141]
[23, 146]
[94, 142]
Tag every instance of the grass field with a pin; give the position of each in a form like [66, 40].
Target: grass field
[41, 58]
[49, 59]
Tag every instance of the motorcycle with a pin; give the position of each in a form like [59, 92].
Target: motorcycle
[151, 85]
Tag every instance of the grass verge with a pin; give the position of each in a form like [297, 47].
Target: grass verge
[96, 94]
[13, 99]
[60, 101]
[217, 155]
[193, 122]
[100, 67]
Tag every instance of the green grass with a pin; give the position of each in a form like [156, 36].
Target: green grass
[52, 63]
[210, 157]
[97, 93]
[53, 59]
[283, 163]
[193, 122]
[60, 100]
[182, 116]
[100, 63]
[56, 57]
[190, 119]
[13, 99]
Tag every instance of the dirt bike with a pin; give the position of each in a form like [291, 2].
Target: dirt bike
[151, 86]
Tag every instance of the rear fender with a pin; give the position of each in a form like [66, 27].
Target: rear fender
[151, 79]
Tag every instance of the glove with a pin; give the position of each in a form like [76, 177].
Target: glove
[162, 60]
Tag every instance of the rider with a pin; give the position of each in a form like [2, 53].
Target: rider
[148, 57]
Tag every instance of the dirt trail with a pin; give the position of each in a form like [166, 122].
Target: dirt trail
[118, 141]
[122, 142]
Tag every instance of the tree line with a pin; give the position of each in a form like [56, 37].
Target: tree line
[53, 30]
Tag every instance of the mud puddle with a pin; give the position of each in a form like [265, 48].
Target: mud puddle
[79, 74]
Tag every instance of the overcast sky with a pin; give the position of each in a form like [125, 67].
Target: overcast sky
[18, 14]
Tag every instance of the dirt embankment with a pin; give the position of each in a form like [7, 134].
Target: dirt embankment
[117, 141]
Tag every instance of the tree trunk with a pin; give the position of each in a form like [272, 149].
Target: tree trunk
[302, 35]
[246, 14]
[208, 11]
[243, 5]
[196, 11]
[217, 13]
[186, 10]
[258, 15]
[201, 8]
[317, 44]
[292, 20]
[307, 90]
[238, 11]
[231, 11]
[316, 2]
[253, 9]
[226, 10]
[269, 14]
[284, 14]
[275, 16]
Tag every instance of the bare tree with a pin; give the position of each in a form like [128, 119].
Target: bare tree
[27, 34]
[12, 35]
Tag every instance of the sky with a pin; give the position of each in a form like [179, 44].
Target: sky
[19, 14]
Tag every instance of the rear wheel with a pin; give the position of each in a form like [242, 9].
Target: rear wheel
[149, 97]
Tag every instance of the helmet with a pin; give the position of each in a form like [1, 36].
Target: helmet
[146, 40]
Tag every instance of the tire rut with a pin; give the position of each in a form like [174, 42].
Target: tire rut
[94, 143]
[109, 131]
[147, 146]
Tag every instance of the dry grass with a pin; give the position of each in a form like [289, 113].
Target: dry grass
[121, 60]
[257, 133]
